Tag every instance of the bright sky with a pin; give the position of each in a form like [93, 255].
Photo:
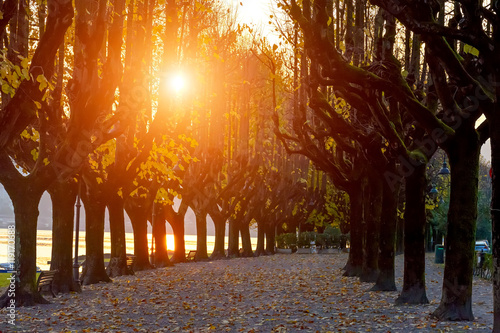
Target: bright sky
[255, 13]
[252, 12]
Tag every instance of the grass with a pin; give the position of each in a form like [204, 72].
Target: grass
[4, 279]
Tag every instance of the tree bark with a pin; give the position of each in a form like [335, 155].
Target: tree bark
[63, 197]
[201, 235]
[386, 279]
[270, 238]
[355, 261]
[94, 270]
[25, 199]
[260, 250]
[456, 301]
[160, 237]
[220, 235]
[176, 220]
[138, 212]
[414, 236]
[246, 242]
[373, 211]
[234, 235]
[495, 206]
[118, 262]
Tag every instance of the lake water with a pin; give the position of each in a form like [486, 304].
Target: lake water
[44, 244]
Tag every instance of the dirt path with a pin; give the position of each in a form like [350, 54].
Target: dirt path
[281, 293]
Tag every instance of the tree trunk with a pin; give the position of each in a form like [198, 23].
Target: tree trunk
[246, 240]
[373, 211]
[414, 235]
[94, 270]
[160, 237]
[233, 241]
[386, 280]
[270, 238]
[25, 200]
[63, 197]
[495, 207]
[138, 213]
[400, 234]
[456, 301]
[260, 250]
[176, 220]
[355, 261]
[118, 262]
[220, 236]
[201, 235]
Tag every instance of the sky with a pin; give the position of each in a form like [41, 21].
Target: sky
[486, 151]
[255, 13]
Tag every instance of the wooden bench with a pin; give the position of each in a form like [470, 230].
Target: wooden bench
[191, 255]
[131, 263]
[45, 280]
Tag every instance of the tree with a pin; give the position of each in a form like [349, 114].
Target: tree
[453, 128]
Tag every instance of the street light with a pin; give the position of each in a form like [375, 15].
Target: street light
[76, 266]
[444, 169]
[433, 190]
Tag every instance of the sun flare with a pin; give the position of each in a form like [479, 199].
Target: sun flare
[178, 83]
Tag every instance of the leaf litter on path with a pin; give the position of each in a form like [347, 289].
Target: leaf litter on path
[280, 293]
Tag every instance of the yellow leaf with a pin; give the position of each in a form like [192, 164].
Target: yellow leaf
[24, 63]
[34, 153]
[43, 82]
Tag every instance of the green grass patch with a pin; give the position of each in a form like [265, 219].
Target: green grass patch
[4, 279]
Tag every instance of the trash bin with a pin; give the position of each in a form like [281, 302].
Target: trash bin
[439, 254]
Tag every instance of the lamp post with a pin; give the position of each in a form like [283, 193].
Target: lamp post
[444, 172]
[444, 169]
[154, 230]
[76, 266]
[433, 192]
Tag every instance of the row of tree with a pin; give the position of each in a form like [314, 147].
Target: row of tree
[372, 111]
[98, 120]
[344, 112]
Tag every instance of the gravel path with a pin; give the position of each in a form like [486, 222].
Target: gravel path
[280, 293]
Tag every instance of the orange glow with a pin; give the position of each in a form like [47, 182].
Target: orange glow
[177, 83]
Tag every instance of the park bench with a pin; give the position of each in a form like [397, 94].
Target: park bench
[191, 255]
[45, 280]
[131, 263]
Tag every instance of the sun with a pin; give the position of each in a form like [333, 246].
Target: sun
[177, 82]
